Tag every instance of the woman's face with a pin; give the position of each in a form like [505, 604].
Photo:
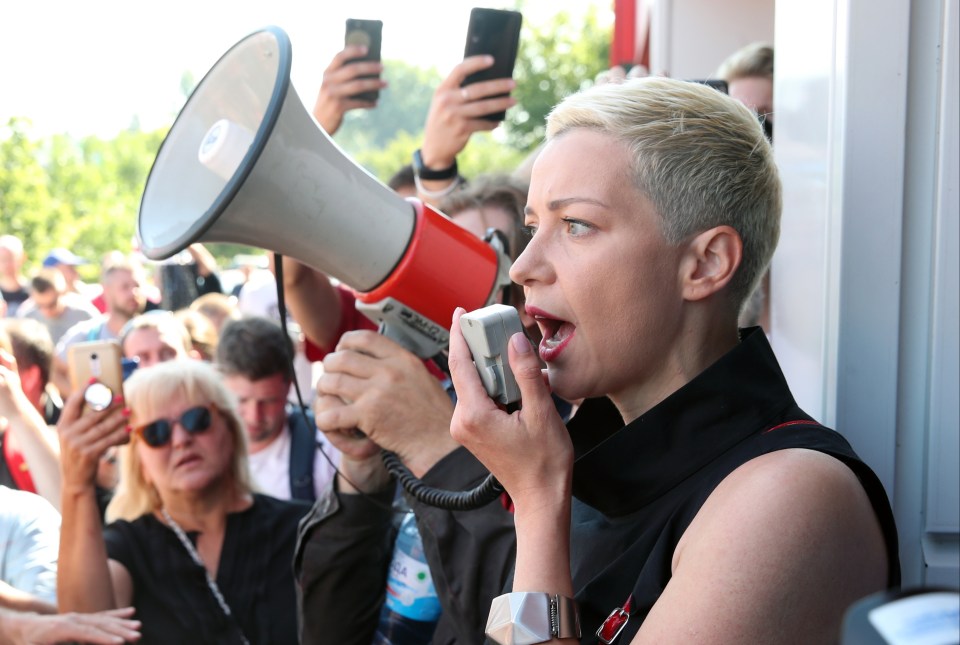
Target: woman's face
[189, 462]
[598, 275]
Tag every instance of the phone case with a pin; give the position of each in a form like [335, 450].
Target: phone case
[369, 33]
[97, 359]
[495, 32]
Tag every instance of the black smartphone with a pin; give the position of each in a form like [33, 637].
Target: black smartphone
[369, 33]
[495, 32]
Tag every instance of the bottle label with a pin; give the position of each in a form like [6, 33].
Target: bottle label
[410, 590]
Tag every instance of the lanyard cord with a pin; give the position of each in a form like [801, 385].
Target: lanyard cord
[188, 545]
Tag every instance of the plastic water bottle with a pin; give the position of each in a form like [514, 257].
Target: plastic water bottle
[410, 613]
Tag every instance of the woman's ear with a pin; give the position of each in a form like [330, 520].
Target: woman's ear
[710, 262]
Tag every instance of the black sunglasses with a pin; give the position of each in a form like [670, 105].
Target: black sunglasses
[158, 433]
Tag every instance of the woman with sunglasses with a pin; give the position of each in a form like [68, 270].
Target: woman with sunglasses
[200, 556]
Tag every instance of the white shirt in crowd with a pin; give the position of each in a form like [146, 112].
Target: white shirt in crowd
[270, 467]
[29, 541]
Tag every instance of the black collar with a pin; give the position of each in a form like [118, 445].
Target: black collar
[735, 397]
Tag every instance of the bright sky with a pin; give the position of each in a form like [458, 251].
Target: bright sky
[88, 67]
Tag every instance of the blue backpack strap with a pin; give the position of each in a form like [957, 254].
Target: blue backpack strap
[94, 333]
[303, 450]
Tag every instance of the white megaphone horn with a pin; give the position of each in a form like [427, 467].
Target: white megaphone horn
[244, 162]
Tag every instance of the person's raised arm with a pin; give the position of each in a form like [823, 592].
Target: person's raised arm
[86, 580]
[206, 263]
[455, 114]
[530, 454]
[343, 80]
[34, 439]
[313, 302]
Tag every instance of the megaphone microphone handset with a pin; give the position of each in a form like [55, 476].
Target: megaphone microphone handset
[487, 332]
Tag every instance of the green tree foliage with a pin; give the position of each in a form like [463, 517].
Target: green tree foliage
[25, 203]
[555, 60]
[85, 194]
[402, 108]
[101, 182]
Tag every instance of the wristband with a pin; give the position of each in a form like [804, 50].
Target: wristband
[431, 174]
[525, 618]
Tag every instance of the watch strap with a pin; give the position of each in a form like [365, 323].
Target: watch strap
[430, 174]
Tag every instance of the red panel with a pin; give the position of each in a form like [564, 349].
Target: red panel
[624, 32]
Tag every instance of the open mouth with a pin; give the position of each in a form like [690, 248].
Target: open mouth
[556, 333]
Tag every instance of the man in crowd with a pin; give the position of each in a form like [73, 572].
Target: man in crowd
[288, 457]
[51, 304]
[123, 296]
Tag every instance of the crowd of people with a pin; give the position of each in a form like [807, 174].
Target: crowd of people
[660, 484]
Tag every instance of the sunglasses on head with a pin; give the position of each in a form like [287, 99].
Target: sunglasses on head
[159, 432]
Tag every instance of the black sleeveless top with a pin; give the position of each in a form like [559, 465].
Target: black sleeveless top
[637, 490]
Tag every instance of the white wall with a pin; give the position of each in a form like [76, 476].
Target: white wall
[865, 279]
[690, 38]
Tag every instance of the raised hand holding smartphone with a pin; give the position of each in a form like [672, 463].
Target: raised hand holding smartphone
[368, 33]
[494, 32]
[96, 367]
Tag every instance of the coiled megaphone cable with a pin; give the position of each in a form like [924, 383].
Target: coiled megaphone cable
[468, 500]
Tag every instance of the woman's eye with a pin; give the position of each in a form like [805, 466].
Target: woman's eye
[576, 227]
[528, 231]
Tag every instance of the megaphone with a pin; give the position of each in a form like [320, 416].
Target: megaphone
[244, 162]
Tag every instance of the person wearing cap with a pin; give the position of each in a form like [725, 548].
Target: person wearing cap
[67, 262]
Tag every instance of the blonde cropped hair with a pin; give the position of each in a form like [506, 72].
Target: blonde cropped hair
[698, 155]
[147, 394]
